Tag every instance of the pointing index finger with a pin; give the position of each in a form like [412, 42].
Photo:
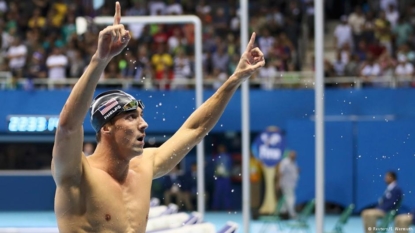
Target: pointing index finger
[251, 42]
[117, 16]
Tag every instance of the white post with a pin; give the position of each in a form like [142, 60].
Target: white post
[199, 80]
[246, 203]
[319, 102]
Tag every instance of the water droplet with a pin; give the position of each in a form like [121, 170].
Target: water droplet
[164, 119]
[215, 177]
[160, 104]
[128, 48]
[399, 169]
[350, 102]
[164, 136]
[164, 94]
[212, 144]
[386, 120]
[221, 125]
[240, 174]
[144, 77]
[150, 96]
[232, 191]
[365, 97]
[135, 67]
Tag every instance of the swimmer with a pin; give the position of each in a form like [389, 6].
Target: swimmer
[109, 191]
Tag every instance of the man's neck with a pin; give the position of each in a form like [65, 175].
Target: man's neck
[106, 159]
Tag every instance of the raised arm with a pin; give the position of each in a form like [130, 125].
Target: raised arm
[67, 151]
[206, 116]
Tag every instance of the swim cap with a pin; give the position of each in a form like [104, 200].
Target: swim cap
[109, 104]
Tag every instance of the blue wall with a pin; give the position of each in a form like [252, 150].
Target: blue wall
[357, 156]
[25, 192]
[358, 152]
[267, 107]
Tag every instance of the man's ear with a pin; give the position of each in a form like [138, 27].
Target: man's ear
[106, 129]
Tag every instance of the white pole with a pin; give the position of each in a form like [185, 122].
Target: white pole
[199, 100]
[199, 80]
[246, 203]
[319, 103]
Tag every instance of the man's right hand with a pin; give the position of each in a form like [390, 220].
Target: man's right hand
[113, 39]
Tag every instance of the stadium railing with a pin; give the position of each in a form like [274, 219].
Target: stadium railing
[304, 79]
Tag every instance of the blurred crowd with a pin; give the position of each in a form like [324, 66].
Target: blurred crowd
[40, 41]
[377, 43]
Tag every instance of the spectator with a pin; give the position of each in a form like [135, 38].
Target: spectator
[255, 177]
[385, 4]
[222, 195]
[157, 7]
[189, 186]
[77, 65]
[112, 71]
[402, 31]
[392, 15]
[128, 65]
[389, 201]
[162, 63]
[57, 63]
[356, 21]
[138, 9]
[339, 66]
[288, 178]
[17, 54]
[52, 24]
[352, 67]
[404, 221]
[370, 71]
[37, 20]
[267, 76]
[220, 59]
[343, 34]
[361, 50]
[266, 42]
[406, 51]
[176, 40]
[36, 67]
[220, 22]
[174, 8]
[404, 71]
[383, 31]
[368, 32]
[173, 182]
[182, 71]
[387, 65]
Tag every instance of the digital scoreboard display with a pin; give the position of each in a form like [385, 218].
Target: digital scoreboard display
[32, 123]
